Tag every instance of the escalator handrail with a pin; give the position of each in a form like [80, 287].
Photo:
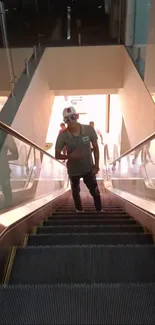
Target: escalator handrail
[16, 134]
[140, 144]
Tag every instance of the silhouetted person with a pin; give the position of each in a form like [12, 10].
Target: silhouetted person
[8, 152]
[97, 131]
[145, 153]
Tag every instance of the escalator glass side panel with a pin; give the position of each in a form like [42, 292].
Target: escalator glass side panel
[134, 172]
[26, 173]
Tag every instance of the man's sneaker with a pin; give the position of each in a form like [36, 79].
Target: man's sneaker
[100, 211]
[79, 211]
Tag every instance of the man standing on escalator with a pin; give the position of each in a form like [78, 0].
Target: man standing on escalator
[78, 139]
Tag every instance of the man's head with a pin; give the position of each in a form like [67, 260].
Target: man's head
[62, 125]
[70, 116]
[91, 123]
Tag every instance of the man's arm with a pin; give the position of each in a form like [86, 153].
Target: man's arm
[60, 144]
[93, 139]
[60, 156]
[100, 134]
[96, 153]
[101, 138]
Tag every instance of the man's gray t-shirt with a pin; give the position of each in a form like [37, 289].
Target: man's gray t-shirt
[81, 143]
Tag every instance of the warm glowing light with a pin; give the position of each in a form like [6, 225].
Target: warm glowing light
[3, 100]
[90, 108]
[124, 166]
[153, 97]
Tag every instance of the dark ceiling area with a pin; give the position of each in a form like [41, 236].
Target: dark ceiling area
[30, 22]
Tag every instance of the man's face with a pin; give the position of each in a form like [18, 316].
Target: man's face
[92, 124]
[71, 119]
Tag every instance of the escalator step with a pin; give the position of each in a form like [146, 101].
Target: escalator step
[67, 209]
[83, 239]
[91, 206]
[87, 221]
[96, 304]
[89, 229]
[90, 213]
[84, 264]
[71, 206]
[89, 217]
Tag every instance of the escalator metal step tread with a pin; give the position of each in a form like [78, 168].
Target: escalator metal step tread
[82, 239]
[91, 206]
[84, 264]
[92, 212]
[88, 216]
[85, 221]
[89, 229]
[72, 208]
[114, 304]
[89, 203]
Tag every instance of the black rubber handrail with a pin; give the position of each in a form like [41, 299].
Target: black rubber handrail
[16, 134]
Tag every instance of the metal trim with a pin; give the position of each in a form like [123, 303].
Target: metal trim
[25, 241]
[10, 265]
[34, 231]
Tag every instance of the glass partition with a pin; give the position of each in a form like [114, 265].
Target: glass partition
[26, 173]
[20, 52]
[137, 31]
[35, 19]
[134, 172]
[51, 22]
[95, 23]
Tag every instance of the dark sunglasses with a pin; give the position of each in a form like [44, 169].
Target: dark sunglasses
[70, 118]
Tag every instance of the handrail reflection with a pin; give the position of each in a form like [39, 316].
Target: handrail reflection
[127, 172]
[140, 144]
[25, 162]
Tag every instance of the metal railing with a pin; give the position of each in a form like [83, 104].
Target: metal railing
[139, 145]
